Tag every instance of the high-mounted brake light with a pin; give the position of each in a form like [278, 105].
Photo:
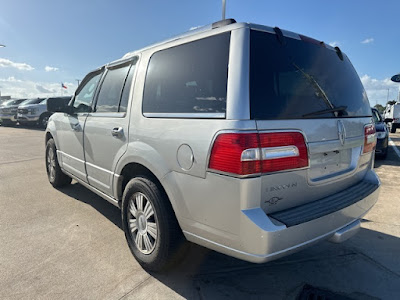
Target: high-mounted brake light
[369, 138]
[255, 153]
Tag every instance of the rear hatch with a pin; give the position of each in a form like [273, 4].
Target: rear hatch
[298, 84]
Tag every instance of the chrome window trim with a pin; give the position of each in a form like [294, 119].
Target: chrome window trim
[107, 114]
[186, 115]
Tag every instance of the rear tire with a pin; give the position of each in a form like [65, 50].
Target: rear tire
[56, 177]
[392, 128]
[151, 229]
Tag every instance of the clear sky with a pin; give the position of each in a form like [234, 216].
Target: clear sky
[49, 42]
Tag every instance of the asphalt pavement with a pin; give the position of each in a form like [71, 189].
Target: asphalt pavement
[68, 244]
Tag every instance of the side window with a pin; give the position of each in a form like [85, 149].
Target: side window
[83, 99]
[190, 78]
[127, 87]
[111, 89]
[375, 116]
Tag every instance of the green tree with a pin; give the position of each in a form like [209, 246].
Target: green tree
[380, 108]
[391, 102]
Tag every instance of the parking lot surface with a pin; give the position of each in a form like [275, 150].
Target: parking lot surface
[68, 244]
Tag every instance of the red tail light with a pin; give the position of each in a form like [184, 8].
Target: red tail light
[254, 153]
[369, 138]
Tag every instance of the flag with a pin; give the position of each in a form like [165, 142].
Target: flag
[63, 85]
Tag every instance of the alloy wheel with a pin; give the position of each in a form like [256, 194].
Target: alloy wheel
[142, 223]
[51, 164]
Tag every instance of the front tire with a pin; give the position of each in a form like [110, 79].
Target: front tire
[151, 229]
[43, 120]
[56, 177]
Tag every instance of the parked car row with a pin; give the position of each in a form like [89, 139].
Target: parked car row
[27, 112]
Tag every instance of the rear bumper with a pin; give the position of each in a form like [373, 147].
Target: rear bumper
[260, 238]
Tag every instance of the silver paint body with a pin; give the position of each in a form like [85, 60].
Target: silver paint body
[225, 213]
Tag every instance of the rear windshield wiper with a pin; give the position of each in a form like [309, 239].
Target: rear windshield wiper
[324, 111]
[320, 92]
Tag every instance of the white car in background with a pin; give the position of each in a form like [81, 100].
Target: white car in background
[35, 111]
[392, 116]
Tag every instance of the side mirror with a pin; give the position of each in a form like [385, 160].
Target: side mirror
[388, 120]
[58, 105]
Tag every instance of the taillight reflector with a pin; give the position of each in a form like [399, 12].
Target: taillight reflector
[369, 138]
[254, 153]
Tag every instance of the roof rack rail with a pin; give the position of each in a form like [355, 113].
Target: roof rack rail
[222, 23]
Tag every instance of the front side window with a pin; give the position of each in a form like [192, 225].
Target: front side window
[190, 78]
[84, 97]
[111, 89]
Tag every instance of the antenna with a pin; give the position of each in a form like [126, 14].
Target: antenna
[223, 9]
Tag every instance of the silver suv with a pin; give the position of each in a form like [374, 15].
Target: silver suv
[249, 140]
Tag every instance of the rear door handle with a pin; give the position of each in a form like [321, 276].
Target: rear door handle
[117, 132]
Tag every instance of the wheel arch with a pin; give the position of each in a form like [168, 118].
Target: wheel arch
[47, 137]
[132, 170]
[135, 169]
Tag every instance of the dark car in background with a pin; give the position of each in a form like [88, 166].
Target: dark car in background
[382, 134]
[8, 111]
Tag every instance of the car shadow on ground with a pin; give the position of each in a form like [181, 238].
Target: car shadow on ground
[346, 270]
[391, 160]
[342, 269]
[82, 194]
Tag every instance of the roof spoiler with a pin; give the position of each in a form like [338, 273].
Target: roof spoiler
[222, 23]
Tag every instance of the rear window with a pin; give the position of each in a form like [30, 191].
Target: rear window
[188, 79]
[299, 79]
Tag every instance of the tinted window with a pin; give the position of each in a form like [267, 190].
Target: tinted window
[125, 93]
[33, 101]
[299, 78]
[111, 88]
[84, 97]
[376, 116]
[189, 78]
